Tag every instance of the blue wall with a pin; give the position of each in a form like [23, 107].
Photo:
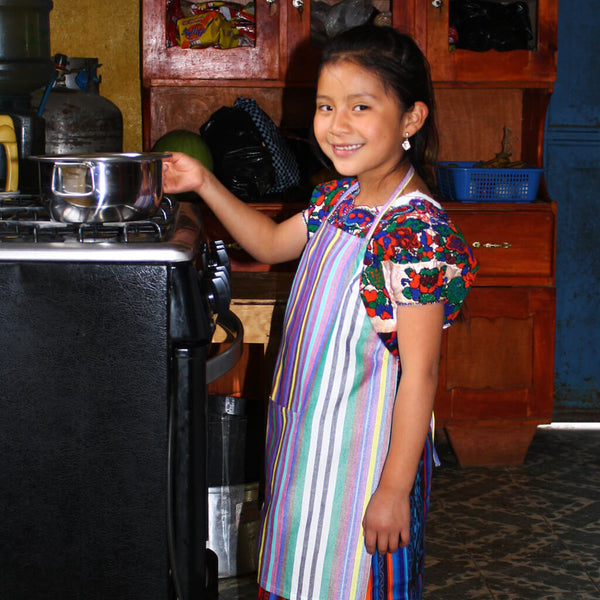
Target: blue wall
[572, 157]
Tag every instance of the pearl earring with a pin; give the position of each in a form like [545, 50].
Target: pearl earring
[406, 142]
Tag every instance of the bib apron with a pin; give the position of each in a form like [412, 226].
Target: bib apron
[329, 421]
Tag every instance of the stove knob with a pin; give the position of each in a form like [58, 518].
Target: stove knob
[215, 255]
[219, 250]
[219, 290]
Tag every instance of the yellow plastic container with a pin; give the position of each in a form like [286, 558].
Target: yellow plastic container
[8, 139]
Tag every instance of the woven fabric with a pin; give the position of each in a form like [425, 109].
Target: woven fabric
[329, 423]
[399, 576]
[287, 171]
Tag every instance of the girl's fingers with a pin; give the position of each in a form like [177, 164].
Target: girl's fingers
[393, 544]
[382, 543]
[371, 541]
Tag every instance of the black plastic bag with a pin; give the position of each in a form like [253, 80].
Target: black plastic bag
[482, 25]
[287, 172]
[242, 162]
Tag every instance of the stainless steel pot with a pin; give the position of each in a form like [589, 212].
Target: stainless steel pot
[89, 188]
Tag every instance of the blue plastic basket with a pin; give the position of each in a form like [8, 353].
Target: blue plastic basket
[461, 181]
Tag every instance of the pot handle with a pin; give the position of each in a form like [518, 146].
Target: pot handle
[57, 180]
[8, 139]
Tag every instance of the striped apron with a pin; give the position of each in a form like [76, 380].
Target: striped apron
[329, 421]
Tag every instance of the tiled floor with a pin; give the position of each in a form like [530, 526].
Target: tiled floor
[527, 532]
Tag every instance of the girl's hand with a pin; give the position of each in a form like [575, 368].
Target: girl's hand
[182, 173]
[264, 239]
[386, 523]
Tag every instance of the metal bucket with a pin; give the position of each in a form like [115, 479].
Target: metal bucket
[233, 523]
[236, 430]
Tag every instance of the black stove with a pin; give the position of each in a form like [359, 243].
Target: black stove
[104, 368]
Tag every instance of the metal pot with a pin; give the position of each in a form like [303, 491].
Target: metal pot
[92, 188]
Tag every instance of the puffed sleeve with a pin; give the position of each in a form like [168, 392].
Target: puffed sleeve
[417, 256]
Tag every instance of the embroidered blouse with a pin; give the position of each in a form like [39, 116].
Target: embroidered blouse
[416, 255]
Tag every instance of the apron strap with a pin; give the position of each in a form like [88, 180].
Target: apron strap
[395, 195]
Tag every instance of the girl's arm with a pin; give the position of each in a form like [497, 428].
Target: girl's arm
[386, 522]
[264, 239]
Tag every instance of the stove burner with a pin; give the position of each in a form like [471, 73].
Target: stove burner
[24, 218]
[120, 232]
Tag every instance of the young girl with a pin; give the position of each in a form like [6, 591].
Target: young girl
[382, 272]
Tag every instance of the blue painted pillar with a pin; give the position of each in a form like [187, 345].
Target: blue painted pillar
[572, 157]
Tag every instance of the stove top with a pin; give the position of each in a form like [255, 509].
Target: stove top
[28, 233]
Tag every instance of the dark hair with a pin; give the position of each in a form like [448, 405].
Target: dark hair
[403, 69]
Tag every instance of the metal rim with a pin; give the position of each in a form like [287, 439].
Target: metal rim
[103, 157]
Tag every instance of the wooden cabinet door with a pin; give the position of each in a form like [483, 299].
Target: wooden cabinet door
[161, 63]
[516, 66]
[498, 363]
[302, 47]
[302, 54]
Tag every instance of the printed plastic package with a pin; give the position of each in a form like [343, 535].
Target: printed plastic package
[210, 24]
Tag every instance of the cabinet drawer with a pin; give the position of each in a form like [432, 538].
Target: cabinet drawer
[514, 243]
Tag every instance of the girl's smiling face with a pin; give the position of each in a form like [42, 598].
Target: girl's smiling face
[358, 124]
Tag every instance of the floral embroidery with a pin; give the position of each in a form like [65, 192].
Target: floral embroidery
[416, 255]
[424, 285]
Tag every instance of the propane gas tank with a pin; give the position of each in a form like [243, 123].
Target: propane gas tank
[78, 119]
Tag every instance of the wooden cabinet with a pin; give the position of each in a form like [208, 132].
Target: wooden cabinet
[497, 368]
[181, 88]
[488, 89]
[429, 23]
[514, 242]
[496, 380]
